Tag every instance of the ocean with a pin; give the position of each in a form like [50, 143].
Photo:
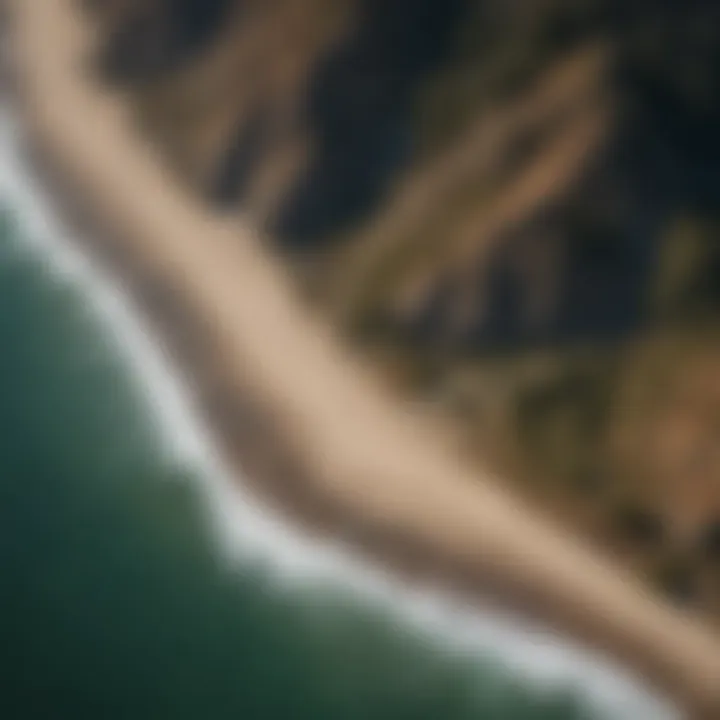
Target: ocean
[138, 582]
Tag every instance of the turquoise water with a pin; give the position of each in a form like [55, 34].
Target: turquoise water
[131, 589]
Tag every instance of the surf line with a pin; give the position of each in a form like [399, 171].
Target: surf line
[244, 530]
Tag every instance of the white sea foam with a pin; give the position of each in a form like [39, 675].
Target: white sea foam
[245, 530]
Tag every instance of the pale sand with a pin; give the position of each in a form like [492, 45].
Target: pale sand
[369, 458]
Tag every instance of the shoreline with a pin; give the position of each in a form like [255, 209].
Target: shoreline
[245, 529]
[459, 528]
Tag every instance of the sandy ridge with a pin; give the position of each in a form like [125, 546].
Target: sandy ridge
[369, 458]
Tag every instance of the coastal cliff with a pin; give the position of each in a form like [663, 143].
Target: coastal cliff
[512, 206]
[368, 458]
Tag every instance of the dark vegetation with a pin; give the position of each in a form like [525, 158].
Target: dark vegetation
[155, 38]
[360, 111]
[608, 287]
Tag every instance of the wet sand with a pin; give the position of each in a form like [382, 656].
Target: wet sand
[302, 417]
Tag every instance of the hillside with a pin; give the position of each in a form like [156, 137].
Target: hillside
[513, 206]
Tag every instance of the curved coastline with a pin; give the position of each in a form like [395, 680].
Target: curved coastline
[272, 377]
[247, 532]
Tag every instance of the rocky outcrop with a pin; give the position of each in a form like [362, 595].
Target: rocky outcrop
[550, 194]
[469, 180]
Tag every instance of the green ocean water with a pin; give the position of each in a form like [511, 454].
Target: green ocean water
[116, 600]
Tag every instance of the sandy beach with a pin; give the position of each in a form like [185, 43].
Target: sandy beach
[306, 419]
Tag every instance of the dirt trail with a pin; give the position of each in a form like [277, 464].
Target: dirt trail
[373, 459]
